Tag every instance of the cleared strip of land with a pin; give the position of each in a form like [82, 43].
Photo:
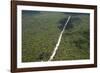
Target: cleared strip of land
[59, 40]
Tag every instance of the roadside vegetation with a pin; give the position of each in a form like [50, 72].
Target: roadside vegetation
[40, 32]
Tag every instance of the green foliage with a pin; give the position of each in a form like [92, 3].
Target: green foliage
[75, 40]
[40, 33]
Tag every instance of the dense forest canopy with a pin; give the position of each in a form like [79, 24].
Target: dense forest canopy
[40, 32]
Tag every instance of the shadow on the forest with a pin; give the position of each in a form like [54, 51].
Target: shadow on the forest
[70, 25]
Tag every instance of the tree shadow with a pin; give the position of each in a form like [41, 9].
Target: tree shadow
[70, 24]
